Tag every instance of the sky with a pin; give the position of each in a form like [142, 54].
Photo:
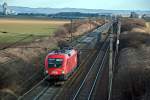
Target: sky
[89, 4]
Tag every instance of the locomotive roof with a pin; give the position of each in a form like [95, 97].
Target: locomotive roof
[63, 51]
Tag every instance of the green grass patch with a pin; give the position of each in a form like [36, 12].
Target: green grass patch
[35, 29]
[14, 31]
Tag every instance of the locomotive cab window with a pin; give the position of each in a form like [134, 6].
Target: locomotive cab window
[55, 62]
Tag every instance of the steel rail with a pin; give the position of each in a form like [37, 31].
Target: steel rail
[47, 88]
[86, 77]
[98, 75]
[44, 90]
[21, 97]
[41, 93]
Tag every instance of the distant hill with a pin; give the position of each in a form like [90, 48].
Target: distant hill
[58, 10]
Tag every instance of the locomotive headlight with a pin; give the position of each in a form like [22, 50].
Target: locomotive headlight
[46, 71]
[63, 72]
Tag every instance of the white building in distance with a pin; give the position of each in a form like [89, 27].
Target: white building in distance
[5, 8]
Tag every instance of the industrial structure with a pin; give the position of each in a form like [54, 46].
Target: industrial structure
[134, 15]
[5, 8]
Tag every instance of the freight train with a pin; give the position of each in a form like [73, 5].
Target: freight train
[60, 64]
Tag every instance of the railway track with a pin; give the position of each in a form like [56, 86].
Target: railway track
[85, 90]
[45, 90]
[49, 91]
[70, 87]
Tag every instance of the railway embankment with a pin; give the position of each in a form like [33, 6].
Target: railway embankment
[132, 77]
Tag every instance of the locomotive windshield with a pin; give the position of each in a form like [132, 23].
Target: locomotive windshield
[55, 62]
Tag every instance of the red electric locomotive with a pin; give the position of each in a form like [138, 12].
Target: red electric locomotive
[59, 64]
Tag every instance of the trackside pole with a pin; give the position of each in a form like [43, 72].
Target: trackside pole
[110, 66]
[118, 34]
[111, 58]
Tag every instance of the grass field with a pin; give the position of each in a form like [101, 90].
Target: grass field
[12, 30]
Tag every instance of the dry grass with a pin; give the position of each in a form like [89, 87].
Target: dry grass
[134, 39]
[128, 24]
[33, 21]
[132, 78]
[148, 27]
[78, 28]
[145, 29]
